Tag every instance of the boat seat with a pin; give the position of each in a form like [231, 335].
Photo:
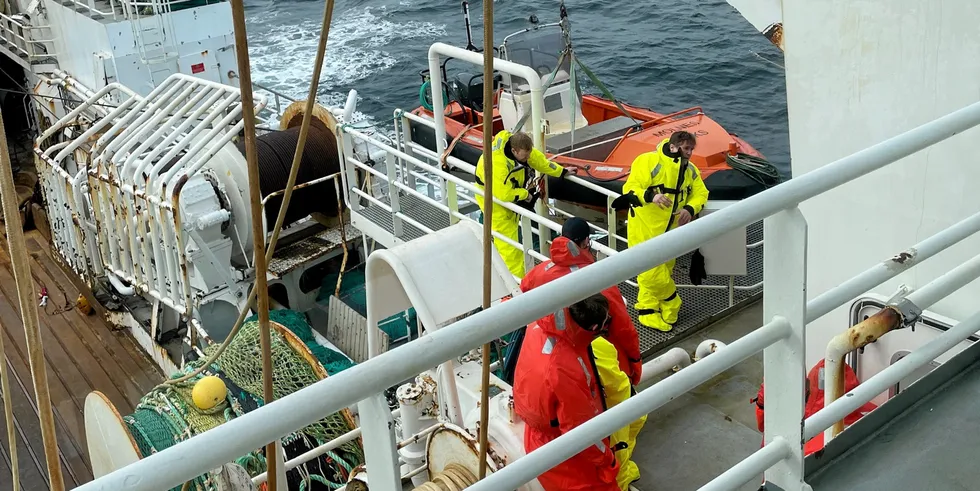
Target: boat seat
[602, 131]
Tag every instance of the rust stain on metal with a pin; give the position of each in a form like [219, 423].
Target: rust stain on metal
[774, 33]
[872, 328]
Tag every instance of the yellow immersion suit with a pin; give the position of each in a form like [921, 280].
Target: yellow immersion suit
[658, 302]
[509, 179]
[616, 388]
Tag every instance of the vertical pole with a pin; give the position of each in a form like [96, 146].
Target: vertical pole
[487, 222]
[8, 411]
[28, 313]
[261, 287]
[784, 361]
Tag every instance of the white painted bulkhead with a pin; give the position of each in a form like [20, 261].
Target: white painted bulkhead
[98, 52]
[858, 73]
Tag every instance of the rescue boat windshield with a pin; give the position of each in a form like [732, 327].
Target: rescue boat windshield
[539, 48]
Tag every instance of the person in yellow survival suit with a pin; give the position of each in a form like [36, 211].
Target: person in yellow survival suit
[512, 155]
[664, 191]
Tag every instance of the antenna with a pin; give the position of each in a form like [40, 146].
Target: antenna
[469, 31]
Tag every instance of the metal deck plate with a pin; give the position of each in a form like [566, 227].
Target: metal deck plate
[701, 306]
[301, 252]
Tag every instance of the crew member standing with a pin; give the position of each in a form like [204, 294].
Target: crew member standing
[556, 390]
[513, 155]
[664, 191]
[616, 359]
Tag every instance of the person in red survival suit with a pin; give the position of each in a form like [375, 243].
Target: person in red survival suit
[617, 355]
[556, 389]
[569, 253]
[814, 403]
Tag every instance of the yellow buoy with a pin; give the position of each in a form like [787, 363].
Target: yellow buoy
[208, 392]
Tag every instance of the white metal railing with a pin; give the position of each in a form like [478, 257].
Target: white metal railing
[451, 195]
[781, 338]
[179, 119]
[28, 42]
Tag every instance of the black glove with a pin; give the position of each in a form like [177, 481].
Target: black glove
[528, 204]
[627, 201]
[697, 271]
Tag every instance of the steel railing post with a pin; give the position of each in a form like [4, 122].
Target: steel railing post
[785, 361]
[380, 446]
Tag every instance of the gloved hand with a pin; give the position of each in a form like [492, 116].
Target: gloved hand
[697, 271]
[568, 170]
[528, 204]
[522, 195]
[627, 201]
[636, 372]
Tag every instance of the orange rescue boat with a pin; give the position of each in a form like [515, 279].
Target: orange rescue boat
[608, 135]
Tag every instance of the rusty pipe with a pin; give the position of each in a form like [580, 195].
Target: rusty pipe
[857, 336]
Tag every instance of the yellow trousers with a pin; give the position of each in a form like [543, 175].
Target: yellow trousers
[506, 223]
[658, 302]
[616, 386]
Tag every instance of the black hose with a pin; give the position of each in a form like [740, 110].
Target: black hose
[758, 169]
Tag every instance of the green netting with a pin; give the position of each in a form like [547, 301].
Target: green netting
[240, 362]
[167, 415]
[332, 361]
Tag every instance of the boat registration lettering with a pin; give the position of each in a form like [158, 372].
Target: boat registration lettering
[688, 124]
[606, 168]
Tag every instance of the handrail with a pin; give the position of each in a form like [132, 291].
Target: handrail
[225, 443]
[538, 219]
[892, 267]
[921, 299]
[568, 444]
[883, 380]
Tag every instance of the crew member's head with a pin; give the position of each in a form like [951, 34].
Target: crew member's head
[577, 230]
[681, 144]
[592, 314]
[520, 145]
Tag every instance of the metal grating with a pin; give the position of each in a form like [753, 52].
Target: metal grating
[411, 206]
[289, 257]
[700, 308]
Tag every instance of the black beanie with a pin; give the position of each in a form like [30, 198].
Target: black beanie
[575, 229]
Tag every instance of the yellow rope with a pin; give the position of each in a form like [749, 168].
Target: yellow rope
[290, 184]
[28, 311]
[454, 477]
[487, 220]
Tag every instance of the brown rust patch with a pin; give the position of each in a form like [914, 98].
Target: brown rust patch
[774, 33]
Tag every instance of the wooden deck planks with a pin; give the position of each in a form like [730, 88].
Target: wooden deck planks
[82, 354]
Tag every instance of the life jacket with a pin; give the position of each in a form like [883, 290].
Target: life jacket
[814, 402]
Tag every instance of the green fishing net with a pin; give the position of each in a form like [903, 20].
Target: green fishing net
[167, 415]
[332, 361]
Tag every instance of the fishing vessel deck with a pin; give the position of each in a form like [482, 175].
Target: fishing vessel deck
[704, 432]
[82, 354]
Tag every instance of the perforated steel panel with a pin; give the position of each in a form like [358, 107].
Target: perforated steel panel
[701, 306]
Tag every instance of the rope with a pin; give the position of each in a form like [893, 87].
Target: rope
[454, 477]
[258, 228]
[28, 311]
[452, 145]
[488, 226]
[290, 185]
[8, 411]
[424, 89]
[758, 169]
